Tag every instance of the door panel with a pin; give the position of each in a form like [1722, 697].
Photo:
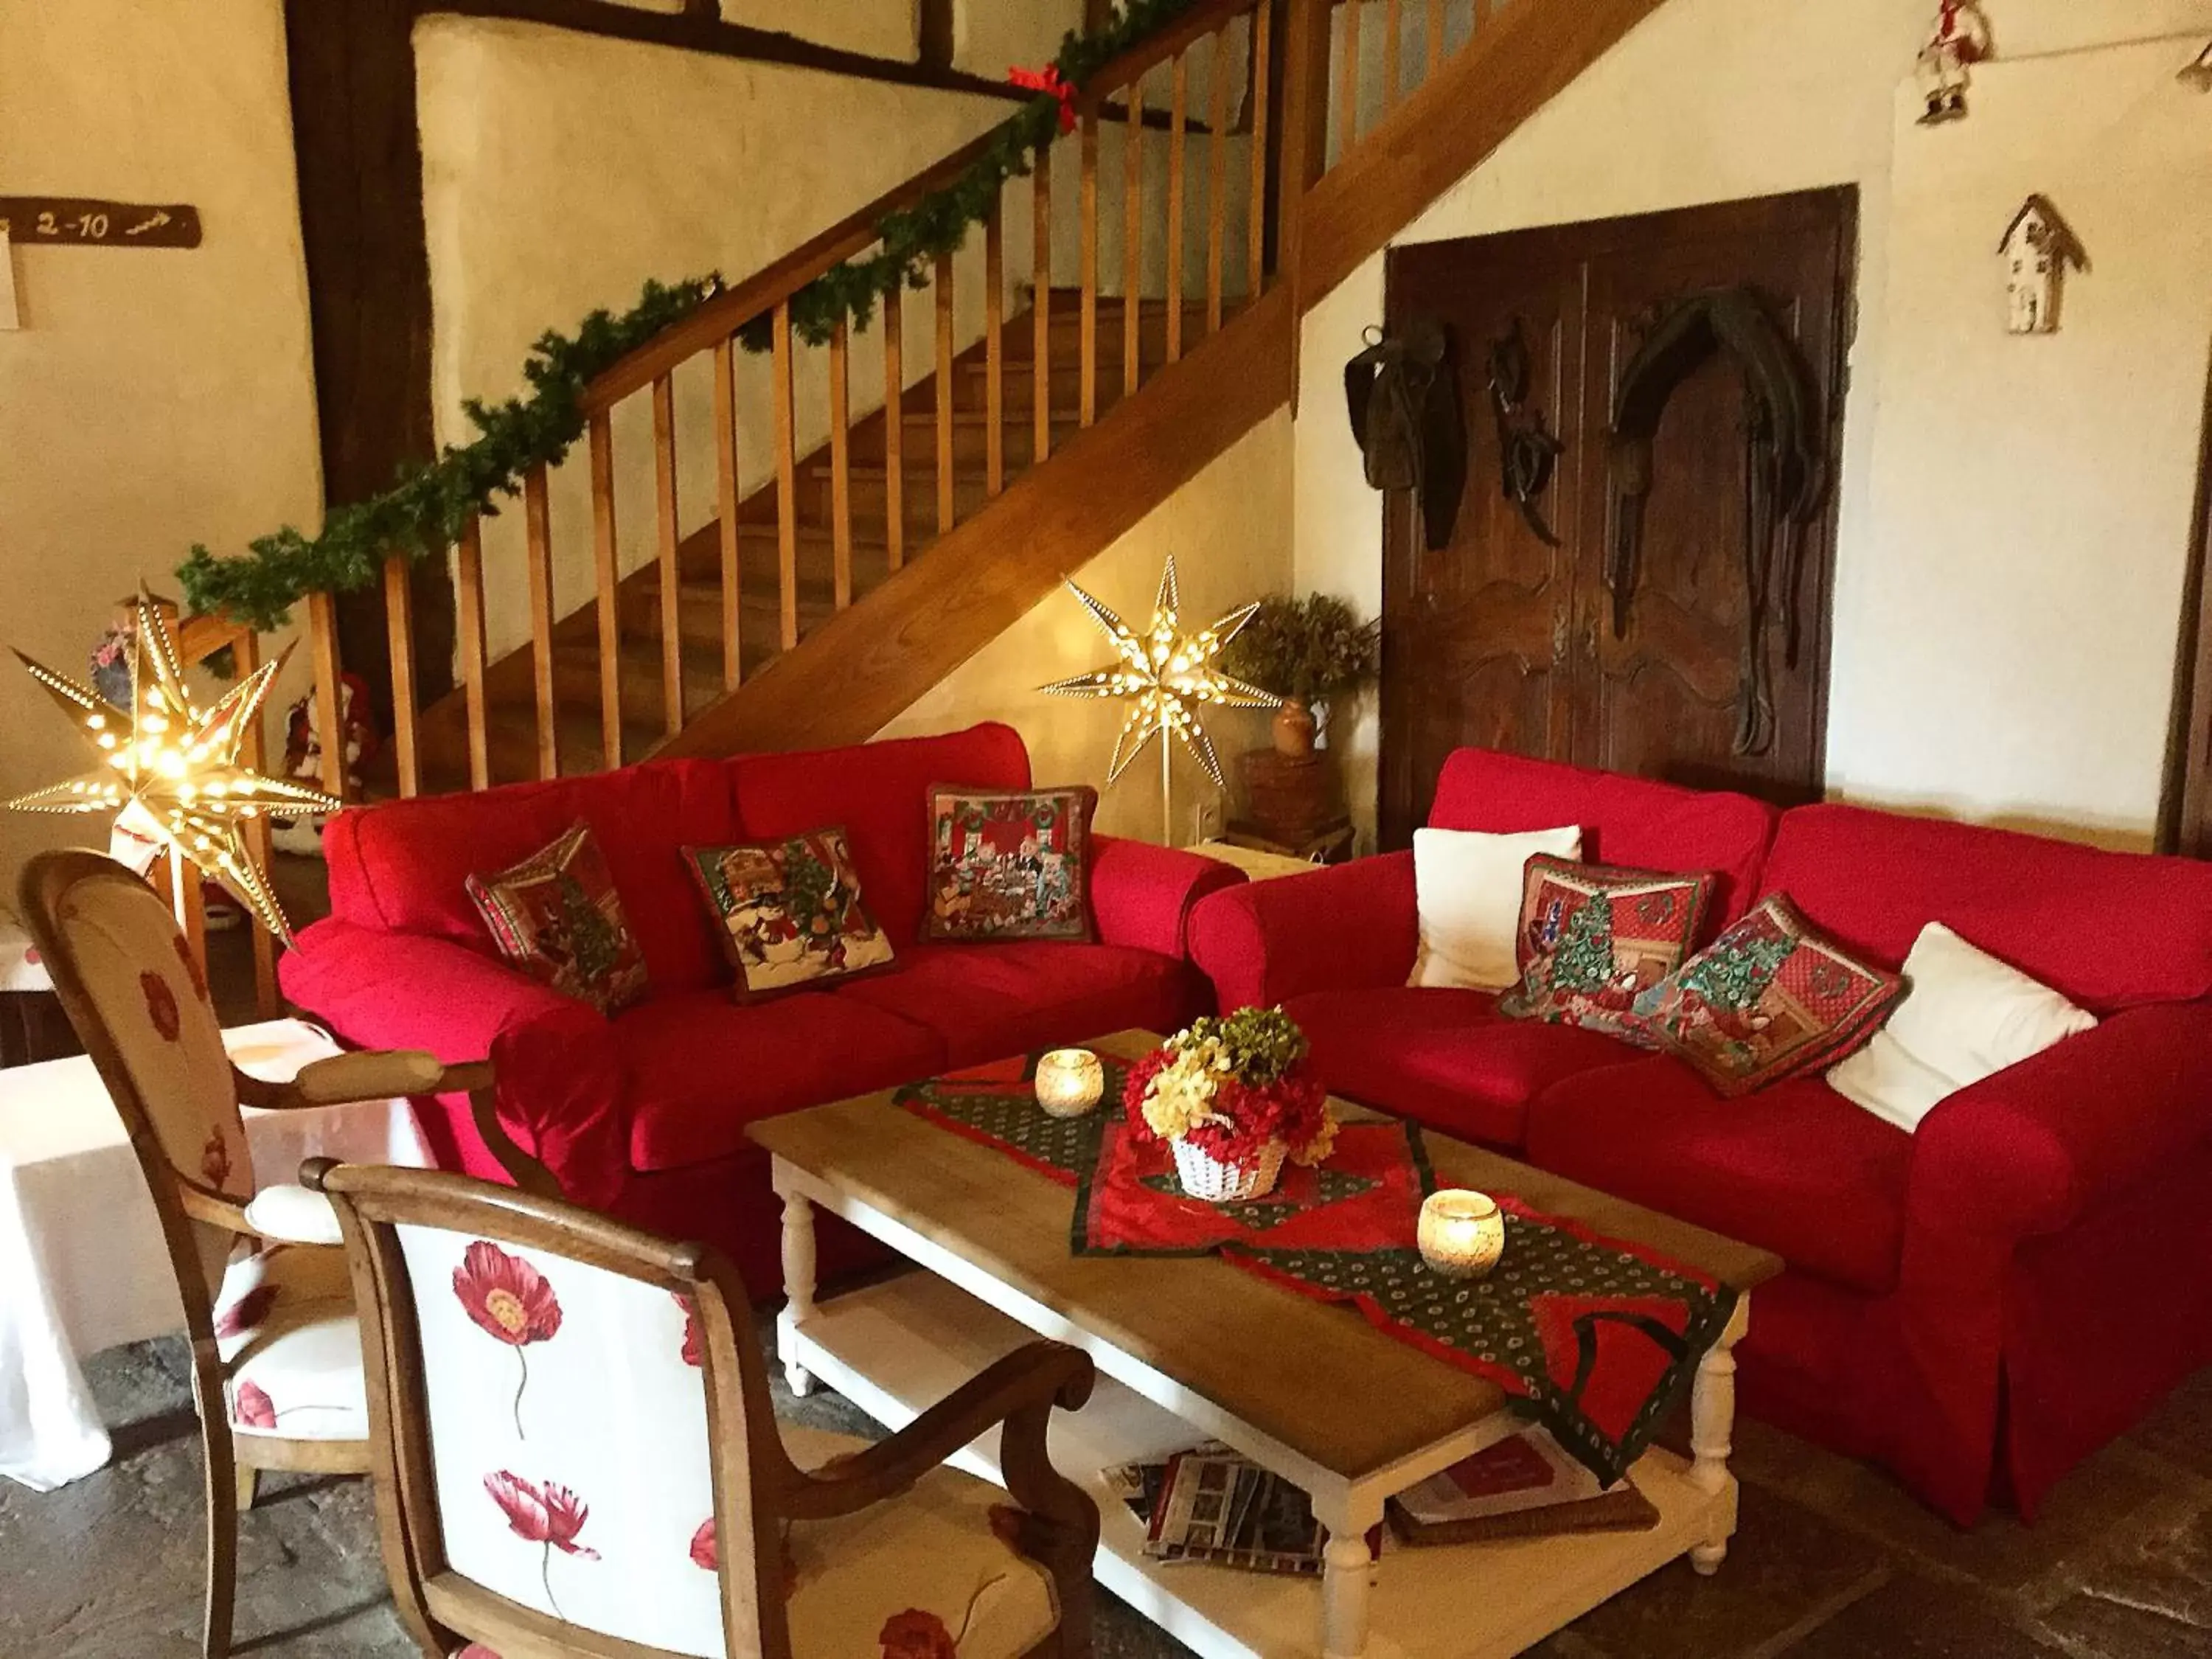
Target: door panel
[1502, 641]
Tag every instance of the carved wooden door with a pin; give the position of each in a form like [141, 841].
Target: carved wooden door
[1501, 641]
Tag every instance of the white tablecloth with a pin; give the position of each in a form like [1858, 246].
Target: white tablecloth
[82, 1265]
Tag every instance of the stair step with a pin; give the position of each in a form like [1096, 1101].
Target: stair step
[871, 496]
[699, 612]
[970, 439]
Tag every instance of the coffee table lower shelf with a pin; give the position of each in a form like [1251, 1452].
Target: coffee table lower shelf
[896, 1348]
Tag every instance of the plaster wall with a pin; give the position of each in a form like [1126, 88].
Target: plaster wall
[153, 398]
[882, 28]
[2013, 514]
[1229, 548]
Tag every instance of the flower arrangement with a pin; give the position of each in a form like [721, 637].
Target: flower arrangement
[1237, 1092]
[1308, 650]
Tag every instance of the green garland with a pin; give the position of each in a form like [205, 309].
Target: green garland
[425, 512]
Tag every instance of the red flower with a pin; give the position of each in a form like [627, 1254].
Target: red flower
[215, 1158]
[916, 1634]
[191, 966]
[160, 1004]
[506, 1297]
[694, 1338]
[247, 1312]
[1047, 80]
[251, 1407]
[550, 1515]
[702, 1547]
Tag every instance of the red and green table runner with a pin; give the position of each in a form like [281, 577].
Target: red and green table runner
[1596, 1337]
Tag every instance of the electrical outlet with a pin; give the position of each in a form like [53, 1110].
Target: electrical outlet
[1207, 819]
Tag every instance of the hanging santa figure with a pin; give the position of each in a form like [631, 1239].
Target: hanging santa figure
[1961, 39]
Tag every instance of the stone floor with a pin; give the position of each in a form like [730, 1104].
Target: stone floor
[1832, 1561]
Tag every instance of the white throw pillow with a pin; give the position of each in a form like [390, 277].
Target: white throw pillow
[1467, 887]
[1966, 1015]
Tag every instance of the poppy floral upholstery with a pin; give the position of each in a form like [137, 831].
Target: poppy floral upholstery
[568, 1436]
[138, 971]
[284, 1325]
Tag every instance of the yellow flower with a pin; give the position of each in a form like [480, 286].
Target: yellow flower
[1317, 1151]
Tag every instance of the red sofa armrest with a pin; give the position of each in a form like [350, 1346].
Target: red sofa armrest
[1143, 895]
[2033, 1149]
[1349, 926]
[562, 1084]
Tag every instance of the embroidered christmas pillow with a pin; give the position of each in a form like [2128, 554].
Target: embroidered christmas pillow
[789, 914]
[1594, 938]
[1008, 864]
[557, 917]
[1767, 999]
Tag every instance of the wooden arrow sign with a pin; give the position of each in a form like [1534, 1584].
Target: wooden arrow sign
[85, 221]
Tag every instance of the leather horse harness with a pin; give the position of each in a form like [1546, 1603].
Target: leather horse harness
[1785, 474]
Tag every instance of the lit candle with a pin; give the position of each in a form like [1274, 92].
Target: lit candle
[1462, 1234]
[1069, 1082]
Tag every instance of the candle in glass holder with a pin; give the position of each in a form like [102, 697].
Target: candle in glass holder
[1462, 1234]
[1069, 1082]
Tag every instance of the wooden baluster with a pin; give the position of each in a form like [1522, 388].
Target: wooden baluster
[1393, 50]
[1348, 94]
[841, 464]
[329, 732]
[895, 424]
[1256, 256]
[1178, 114]
[1217, 187]
[399, 631]
[470, 604]
[606, 567]
[538, 531]
[1301, 142]
[787, 477]
[726, 505]
[994, 345]
[945, 352]
[671, 547]
[1090, 410]
[253, 754]
[1133, 244]
[1041, 356]
[1436, 35]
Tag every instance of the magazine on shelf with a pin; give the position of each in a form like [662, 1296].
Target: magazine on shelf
[1209, 1504]
[1522, 1486]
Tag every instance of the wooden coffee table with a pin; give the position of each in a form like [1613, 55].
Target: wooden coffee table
[1191, 1349]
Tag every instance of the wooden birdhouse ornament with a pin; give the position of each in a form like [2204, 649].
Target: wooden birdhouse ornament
[2036, 249]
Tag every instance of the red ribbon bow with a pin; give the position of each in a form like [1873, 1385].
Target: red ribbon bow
[1047, 80]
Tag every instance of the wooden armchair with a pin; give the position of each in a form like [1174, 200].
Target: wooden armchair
[577, 1458]
[276, 1348]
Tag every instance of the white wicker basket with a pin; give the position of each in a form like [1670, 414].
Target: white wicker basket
[1206, 1176]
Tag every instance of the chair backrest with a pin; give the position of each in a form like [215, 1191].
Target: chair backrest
[575, 1447]
[133, 990]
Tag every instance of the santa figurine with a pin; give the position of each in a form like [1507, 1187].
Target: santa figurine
[1960, 40]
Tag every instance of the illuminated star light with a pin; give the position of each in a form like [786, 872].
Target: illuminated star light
[171, 772]
[1170, 677]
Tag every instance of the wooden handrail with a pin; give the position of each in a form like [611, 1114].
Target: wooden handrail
[1133, 65]
[760, 292]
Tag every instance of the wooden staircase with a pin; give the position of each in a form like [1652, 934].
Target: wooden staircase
[811, 609]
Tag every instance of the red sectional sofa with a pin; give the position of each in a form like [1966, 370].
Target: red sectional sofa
[644, 1115]
[1977, 1307]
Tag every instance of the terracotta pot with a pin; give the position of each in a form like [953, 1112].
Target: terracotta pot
[1294, 729]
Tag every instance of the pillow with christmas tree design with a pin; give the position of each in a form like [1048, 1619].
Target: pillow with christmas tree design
[1768, 1000]
[557, 917]
[1594, 938]
[788, 914]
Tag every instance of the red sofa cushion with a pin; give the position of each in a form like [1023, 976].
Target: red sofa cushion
[1637, 823]
[987, 1001]
[701, 1067]
[1795, 1169]
[1443, 1058]
[403, 866]
[2110, 930]
[879, 795]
